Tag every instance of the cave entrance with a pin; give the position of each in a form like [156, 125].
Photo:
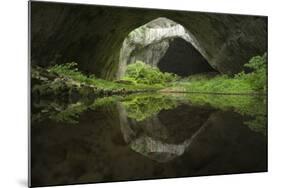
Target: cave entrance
[167, 45]
[183, 59]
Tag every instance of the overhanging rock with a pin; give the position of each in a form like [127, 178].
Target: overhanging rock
[150, 42]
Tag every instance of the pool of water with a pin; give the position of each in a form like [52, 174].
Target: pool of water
[147, 136]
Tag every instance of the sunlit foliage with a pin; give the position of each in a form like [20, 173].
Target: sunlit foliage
[257, 78]
[142, 73]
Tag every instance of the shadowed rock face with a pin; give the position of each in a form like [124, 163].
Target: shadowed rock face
[93, 35]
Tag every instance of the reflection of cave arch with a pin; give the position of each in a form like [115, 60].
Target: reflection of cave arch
[152, 41]
[151, 143]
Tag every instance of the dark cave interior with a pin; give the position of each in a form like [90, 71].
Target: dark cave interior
[183, 59]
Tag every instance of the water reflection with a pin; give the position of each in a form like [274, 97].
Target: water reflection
[146, 136]
[160, 141]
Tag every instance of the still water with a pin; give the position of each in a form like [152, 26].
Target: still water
[147, 136]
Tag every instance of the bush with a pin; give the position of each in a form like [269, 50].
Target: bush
[257, 77]
[142, 73]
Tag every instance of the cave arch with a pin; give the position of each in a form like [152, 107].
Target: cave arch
[158, 43]
[92, 36]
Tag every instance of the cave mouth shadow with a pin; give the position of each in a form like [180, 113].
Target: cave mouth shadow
[183, 59]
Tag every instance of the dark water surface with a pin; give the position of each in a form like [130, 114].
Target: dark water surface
[147, 136]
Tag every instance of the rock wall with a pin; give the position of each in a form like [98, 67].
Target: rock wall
[93, 35]
[151, 54]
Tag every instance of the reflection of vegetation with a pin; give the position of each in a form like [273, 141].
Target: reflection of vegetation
[105, 101]
[58, 112]
[67, 113]
[141, 107]
[258, 124]
[243, 104]
[254, 107]
[142, 73]
[252, 82]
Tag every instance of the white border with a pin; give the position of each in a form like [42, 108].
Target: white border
[14, 84]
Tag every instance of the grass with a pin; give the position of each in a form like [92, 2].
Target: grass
[252, 82]
[217, 84]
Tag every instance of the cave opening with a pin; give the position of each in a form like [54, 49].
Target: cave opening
[183, 59]
[167, 45]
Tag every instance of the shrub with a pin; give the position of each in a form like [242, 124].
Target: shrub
[257, 78]
[142, 73]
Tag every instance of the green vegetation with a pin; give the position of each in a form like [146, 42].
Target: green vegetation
[242, 104]
[70, 70]
[141, 107]
[58, 112]
[217, 84]
[258, 77]
[242, 83]
[141, 73]
[68, 112]
[66, 80]
[105, 101]
[253, 107]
